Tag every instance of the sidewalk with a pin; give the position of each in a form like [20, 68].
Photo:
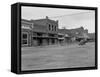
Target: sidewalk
[51, 46]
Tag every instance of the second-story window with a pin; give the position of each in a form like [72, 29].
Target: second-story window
[55, 28]
[52, 27]
[49, 27]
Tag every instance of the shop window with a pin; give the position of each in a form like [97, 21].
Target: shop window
[24, 41]
[24, 38]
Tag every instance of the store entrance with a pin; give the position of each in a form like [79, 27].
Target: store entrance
[39, 41]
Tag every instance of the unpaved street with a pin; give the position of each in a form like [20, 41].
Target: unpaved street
[51, 57]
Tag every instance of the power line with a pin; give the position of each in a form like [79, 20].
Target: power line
[68, 15]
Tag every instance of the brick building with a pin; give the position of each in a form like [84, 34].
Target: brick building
[39, 32]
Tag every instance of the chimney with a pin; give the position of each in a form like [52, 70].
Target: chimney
[46, 17]
[82, 27]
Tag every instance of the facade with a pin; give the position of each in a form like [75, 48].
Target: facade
[63, 38]
[71, 35]
[92, 37]
[26, 33]
[43, 32]
[39, 32]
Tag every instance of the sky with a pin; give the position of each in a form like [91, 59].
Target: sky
[68, 18]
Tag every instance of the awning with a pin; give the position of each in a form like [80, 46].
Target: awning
[60, 34]
[66, 35]
[61, 38]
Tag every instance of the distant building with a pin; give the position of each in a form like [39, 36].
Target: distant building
[73, 34]
[63, 36]
[92, 36]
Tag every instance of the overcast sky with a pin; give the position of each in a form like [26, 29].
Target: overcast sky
[69, 18]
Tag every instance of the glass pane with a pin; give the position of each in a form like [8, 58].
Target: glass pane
[24, 36]
[24, 41]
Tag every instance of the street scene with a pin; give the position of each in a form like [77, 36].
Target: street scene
[53, 38]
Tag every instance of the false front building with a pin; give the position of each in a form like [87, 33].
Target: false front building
[39, 32]
[73, 35]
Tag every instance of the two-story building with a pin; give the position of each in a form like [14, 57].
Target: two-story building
[39, 32]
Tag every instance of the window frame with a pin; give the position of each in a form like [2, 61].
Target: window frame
[24, 39]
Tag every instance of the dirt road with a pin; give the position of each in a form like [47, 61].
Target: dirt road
[52, 57]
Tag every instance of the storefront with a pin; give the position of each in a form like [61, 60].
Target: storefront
[26, 33]
[39, 32]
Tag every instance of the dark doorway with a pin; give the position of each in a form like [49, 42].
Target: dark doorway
[53, 41]
[39, 42]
